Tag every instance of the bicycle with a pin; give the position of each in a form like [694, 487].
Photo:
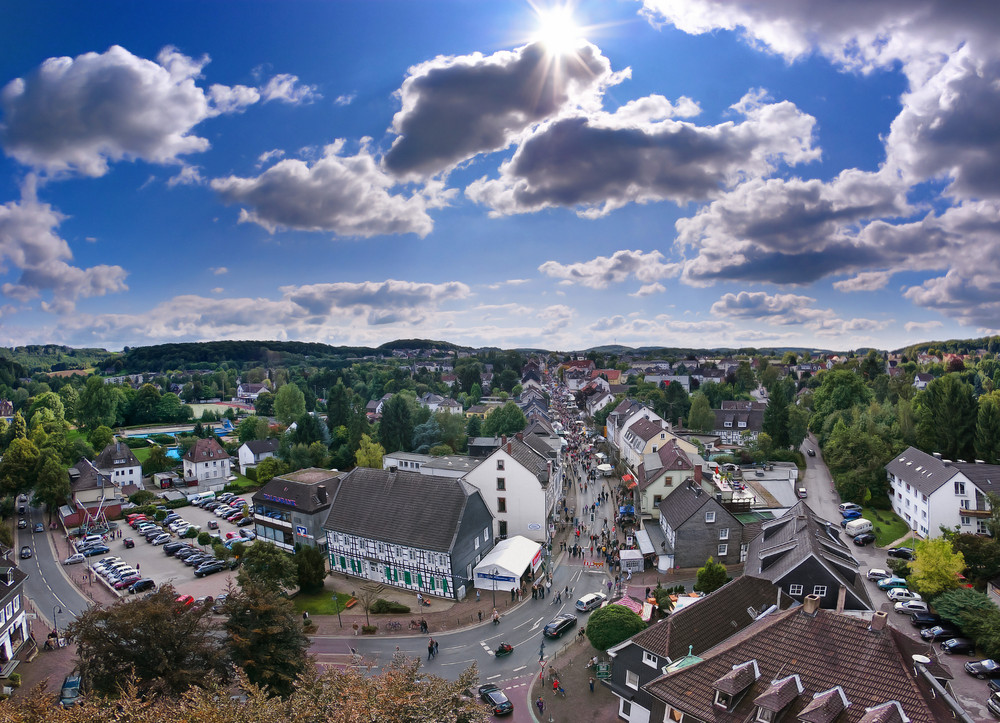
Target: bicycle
[394, 625]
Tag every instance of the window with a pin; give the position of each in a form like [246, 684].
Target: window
[966, 520]
[500, 464]
[743, 425]
[728, 425]
[486, 535]
[959, 487]
[794, 590]
[632, 679]
[501, 484]
[476, 541]
[723, 549]
[710, 516]
[764, 716]
[649, 659]
[502, 529]
[626, 708]
[724, 533]
[820, 590]
[501, 504]
[723, 700]
[657, 499]
[964, 504]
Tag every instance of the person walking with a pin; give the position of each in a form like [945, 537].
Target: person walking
[480, 616]
[430, 648]
[591, 682]
[496, 617]
[540, 704]
[436, 646]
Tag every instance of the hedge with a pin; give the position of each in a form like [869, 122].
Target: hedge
[385, 607]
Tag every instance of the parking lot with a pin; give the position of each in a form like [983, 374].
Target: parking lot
[151, 561]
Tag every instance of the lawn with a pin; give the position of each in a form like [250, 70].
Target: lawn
[241, 483]
[321, 603]
[888, 526]
[142, 453]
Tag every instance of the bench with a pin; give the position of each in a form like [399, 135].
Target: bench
[351, 603]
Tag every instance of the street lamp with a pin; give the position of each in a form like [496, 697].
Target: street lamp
[55, 622]
[495, 571]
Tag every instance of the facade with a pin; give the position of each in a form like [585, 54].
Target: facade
[252, 453]
[92, 493]
[207, 462]
[292, 508]
[661, 473]
[738, 423]
[695, 527]
[14, 629]
[248, 393]
[119, 463]
[641, 438]
[412, 531]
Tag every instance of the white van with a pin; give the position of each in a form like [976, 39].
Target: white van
[856, 527]
[201, 498]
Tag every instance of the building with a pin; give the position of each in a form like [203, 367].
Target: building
[412, 531]
[449, 465]
[804, 555]
[207, 462]
[92, 494]
[738, 422]
[695, 527]
[119, 463]
[14, 628]
[292, 508]
[252, 453]
[247, 393]
[661, 472]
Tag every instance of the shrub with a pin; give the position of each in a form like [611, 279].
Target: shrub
[136, 443]
[386, 607]
[142, 497]
[163, 440]
[611, 625]
[369, 629]
[251, 474]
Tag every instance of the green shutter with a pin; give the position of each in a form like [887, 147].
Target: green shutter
[420, 580]
[388, 573]
[395, 575]
[432, 583]
[444, 584]
[406, 577]
[343, 562]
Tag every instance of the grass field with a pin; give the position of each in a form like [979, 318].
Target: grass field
[142, 453]
[888, 526]
[322, 603]
[199, 409]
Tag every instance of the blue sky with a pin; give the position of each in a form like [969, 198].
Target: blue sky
[668, 172]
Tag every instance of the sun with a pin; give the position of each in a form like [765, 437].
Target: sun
[557, 30]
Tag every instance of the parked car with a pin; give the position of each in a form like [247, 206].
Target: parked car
[845, 506]
[899, 594]
[69, 696]
[25, 552]
[213, 525]
[959, 645]
[851, 514]
[39, 527]
[496, 698]
[142, 585]
[983, 669]
[902, 553]
[243, 522]
[908, 607]
[592, 601]
[865, 538]
[209, 568]
[97, 550]
[129, 543]
[171, 547]
[248, 535]
[559, 625]
[877, 573]
[811, 452]
[184, 600]
[75, 558]
[127, 581]
[925, 620]
[220, 601]
[891, 582]
[185, 552]
[161, 539]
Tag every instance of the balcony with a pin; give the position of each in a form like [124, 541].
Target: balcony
[981, 512]
[271, 521]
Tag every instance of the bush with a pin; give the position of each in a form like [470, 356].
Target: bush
[612, 624]
[136, 443]
[142, 497]
[163, 440]
[369, 629]
[386, 607]
[15, 680]
[251, 474]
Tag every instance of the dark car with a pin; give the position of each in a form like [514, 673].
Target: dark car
[25, 552]
[811, 452]
[39, 527]
[129, 542]
[902, 553]
[199, 559]
[99, 550]
[940, 632]
[218, 606]
[865, 538]
[924, 620]
[185, 553]
[22, 524]
[959, 645]
[559, 625]
[172, 547]
[70, 693]
[209, 568]
[496, 698]
[983, 669]
[142, 585]
[244, 522]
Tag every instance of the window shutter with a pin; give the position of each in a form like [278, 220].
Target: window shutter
[406, 577]
[343, 562]
[420, 580]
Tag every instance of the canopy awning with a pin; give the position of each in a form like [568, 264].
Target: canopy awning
[604, 468]
[645, 544]
[502, 568]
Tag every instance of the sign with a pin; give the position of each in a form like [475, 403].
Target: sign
[491, 576]
[299, 530]
[534, 526]
[279, 500]
[603, 670]
[537, 559]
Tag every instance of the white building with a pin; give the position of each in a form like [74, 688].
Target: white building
[119, 463]
[13, 621]
[252, 453]
[207, 462]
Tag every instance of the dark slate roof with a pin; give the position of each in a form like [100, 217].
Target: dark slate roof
[823, 650]
[401, 508]
[702, 625]
[684, 503]
[300, 490]
[17, 577]
[671, 457]
[205, 450]
[645, 429]
[116, 456]
[825, 707]
[743, 405]
[753, 419]
[984, 476]
[528, 458]
[738, 679]
[787, 541]
[262, 446]
[924, 471]
[87, 477]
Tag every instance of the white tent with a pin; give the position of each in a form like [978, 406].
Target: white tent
[631, 560]
[506, 562]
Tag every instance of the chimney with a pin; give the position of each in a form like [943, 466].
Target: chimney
[937, 455]
[810, 605]
[841, 597]
[947, 462]
[321, 493]
[503, 440]
[879, 620]
[520, 436]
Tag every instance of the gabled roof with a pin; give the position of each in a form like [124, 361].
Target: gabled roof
[984, 476]
[645, 429]
[743, 405]
[116, 456]
[668, 457]
[527, 458]
[924, 471]
[262, 446]
[753, 420]
[401, 508]
[206, 450]
[684, 503]
[87, 477]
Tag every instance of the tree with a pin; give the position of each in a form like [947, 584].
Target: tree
[701, 418]
[48, 400]
[948, 416]
[935, 567]
[157, 461]
[955, 604]
[98, 404]
[506, 420]
[264, 404]
[165, 647]
[268, 469]
[395, 431]
[798, 425]
[426, 435]
[711, 577]
[776, 417]
[204, 538]
[52, 483]
[251, 428]
[369, 453]
[840, 390]
[309, 429]
[338, 406]
[264, 564]
[101, 437]
[981, 554]
[311, 565]
[612, 624]
[475, 427]
[18, 467]
[988, 428]
[289, 404]
[674, 404]
[265, 637]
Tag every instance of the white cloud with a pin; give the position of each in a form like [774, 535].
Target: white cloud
[864, 281]
[347, 195]
[232, 99]
[777, 308]
[267, 156]
[217, 290]
[649, 289]
[455, 107]
[219, 270]
[287, 89]
[597, 163]
[345, 99]
[922, 325]
[508, 282]
[187, 176]
[383, 302]
[601, 271]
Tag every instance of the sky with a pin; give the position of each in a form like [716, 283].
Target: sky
[694, 173]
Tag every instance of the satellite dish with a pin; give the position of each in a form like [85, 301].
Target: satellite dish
[922, 659]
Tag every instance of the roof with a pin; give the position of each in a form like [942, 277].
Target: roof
[668, 457]
[645, 429]
[452, 462]
[822, 650]
[684, 503]
[205, 450]
[924, 471]
[527, 458]
[87, 477]
[262, 446]
[402, 508]
[984, 476]
[752, 420]
[116, 456]
[307, 490]
[743, 405]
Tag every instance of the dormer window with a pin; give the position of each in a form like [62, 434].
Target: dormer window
[723, 700]
[649, 659]
[765, 716]
[500, 464]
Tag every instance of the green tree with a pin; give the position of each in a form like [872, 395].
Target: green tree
[988, 428]
[266, 565]
[981, 555]
[935, 567]
[395, 431]
[251, 428]
[369, 453]
[426, 435]
[204, 538]
[798, 425]
[474, 428]
[144, 408]
[954, 605]
[840, 390]
[48, 400]
[264, 405]
[701, 418]
[674, 403]
[745, 379]
[17, 429]
[872, 366]
[69, 396]
[711, 577]
[18, 467]
[311, 565]
[948, 416]
[611, 624]
[289, 404]
[52, 483]
[98, 404]
[101, 437]
[338, 406]
[269, 468]
[776, 417]
[452, 430]
[506, 420]
[157, 461]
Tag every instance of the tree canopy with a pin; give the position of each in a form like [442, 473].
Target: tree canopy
[611, 624]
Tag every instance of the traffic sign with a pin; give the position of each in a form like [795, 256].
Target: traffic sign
[603, 670]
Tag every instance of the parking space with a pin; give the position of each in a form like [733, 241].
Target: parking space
[151, 561]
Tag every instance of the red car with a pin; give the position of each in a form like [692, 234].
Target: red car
[184, 600]
[126, 581]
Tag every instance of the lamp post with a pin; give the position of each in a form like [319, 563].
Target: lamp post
[495, 571]
[55, 621]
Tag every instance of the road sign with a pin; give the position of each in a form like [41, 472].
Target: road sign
[603, 670]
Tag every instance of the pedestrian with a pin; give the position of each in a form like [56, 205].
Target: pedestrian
[477, 595]
[559, 597]
[480, 616]
[436, 646]
[430, 648]
[513, 595]
[496, 617]
[534, 592]
[540, 704]
[591, 681]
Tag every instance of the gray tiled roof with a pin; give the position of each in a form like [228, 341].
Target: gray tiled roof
[683, 503]
[301, 489]
[984, 476]
[116, 455]
[402, 508]
[645, 429]
[261, 446]
[924, 471]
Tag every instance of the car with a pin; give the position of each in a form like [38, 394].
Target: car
[25, 552]
[559, 625]
[69, 695]
[129, 543]
[171, 547]
[222, 510]
[141, 585]
[97, 550]
[591, 601]
[901, 553]
[845, 506]
[983, 669]
[959, 645]
[127, 581]
[22, 523]
[209, 568]
[184, 600]
[218, 607]
[185, 552]
[160, 539]
[899, 594]
[171, 517]
[878, 573]
[496, 698]
[851, 514]
[865, 538]
[811, 452]
[213, 524]
[74, 559]
[909, 607]
[248, 535]
[152, 535]
[924, 620]
[39, 527]
[940, 632]
[237, 515]
[891, 582]
[243, 522]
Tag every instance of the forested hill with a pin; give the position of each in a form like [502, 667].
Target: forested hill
[163, 357]
[53, 357]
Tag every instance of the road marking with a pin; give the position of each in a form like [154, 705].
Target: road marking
[533, 627]
[521, 625]
[519, 669]
[461, 662]
[494, 677]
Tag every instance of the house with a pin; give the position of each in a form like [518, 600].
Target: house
[6, 408]
[516, 483]
[661, 472]
[623, 417]
[14, 626]
[252, 453]
[922, 379]
[929, 492]
[695, 527]
[694, 629]
[119, 463]
[291, 509]
[374, 408]
[804, 555]
[809, 665]
[92, 494]
[435, 403]
[455, 466]
[248, 393]
[739, 422]
[412, 531]
[207, 462]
